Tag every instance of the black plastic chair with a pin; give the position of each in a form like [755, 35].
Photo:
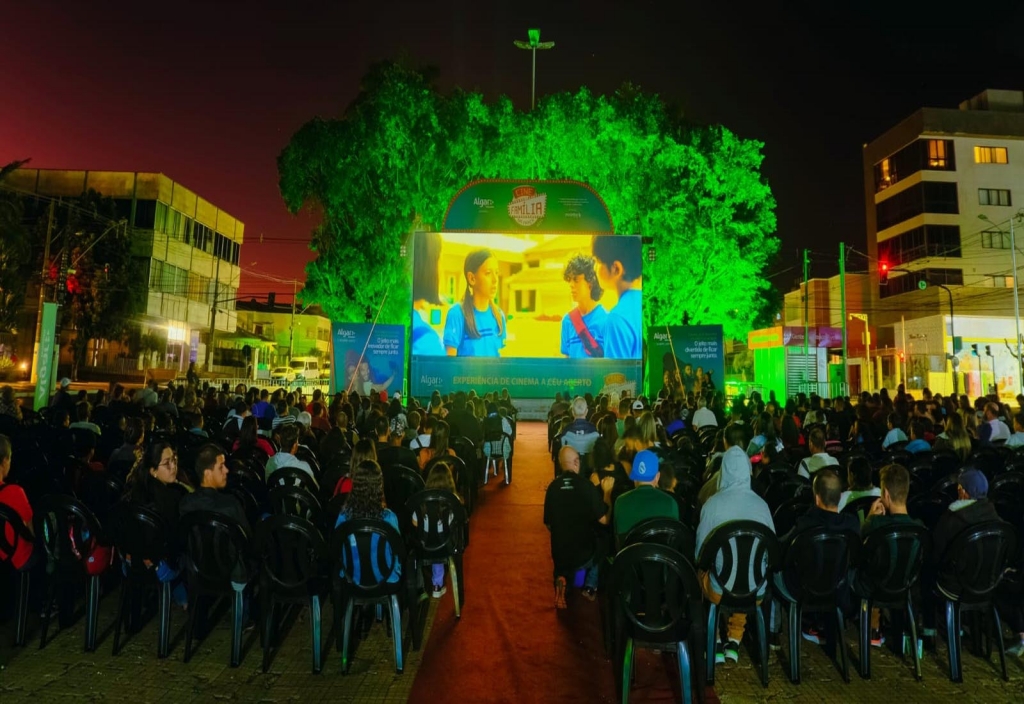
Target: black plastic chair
[370, 544]
[859, 508]
[296, 501]
[888, 567]
[63, 527]
[215, 550]
[658, 606]
[440, 536]
[466, 451]
[662, 531]
[10, 518]
[142, 535]
[821, 557]
[292, 477]
[1006, 493]
[401, 483]
[978, 557]
[989, 460]
[789, 511]
[101, 492]
[779, 492]
[293, 567]
[748, 552]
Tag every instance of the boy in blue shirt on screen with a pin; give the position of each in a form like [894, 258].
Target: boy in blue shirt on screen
[476, 327]
[583, 326]
[620, 267]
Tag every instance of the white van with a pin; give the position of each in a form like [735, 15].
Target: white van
[305, 367]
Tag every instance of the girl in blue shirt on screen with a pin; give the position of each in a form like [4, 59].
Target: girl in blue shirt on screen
[620, 267]
[476, 327]
[426, 257]
[366, 500]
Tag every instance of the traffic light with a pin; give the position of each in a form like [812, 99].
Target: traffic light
[988, 350]
[902, 356]
[883, 272]
[974, 350]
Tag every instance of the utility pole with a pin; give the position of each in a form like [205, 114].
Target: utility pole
[532, 44]
[1016, 305]
[842, 305]
[213, 314]
[954, 361]
[807, 297]
[291, 327]
[42, 294]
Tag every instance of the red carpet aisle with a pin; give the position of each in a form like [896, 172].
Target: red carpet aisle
[511, 645]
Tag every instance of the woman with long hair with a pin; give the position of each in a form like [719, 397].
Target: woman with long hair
[249, 440]
[154, 483]
[364, 450]
[648, 429]
[955, 437]
[366, 501]
[476, 327]
[440, 477]
[765, 437]
[438, 446]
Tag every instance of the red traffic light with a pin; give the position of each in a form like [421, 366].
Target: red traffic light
[883, 272]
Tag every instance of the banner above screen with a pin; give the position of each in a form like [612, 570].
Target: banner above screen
[542, 207]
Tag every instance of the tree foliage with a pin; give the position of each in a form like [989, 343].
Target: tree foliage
[15, 253]
[403, 149]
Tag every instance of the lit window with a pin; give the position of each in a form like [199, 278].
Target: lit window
[886, 177]
[937, 153]
[990, 155]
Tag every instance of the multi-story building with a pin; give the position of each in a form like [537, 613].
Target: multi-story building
[186, 248]
[303, 331]
[940, 190]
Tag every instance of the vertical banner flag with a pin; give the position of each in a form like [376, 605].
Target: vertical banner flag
[368, 358]
[680, 357]
[44, 360]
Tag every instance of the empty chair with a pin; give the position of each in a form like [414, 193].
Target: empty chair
[860, 508]
[663, 531]
[142, 539]
[400, 483]
[438, 537]
[786, 514]
[296, 501]
[657, 606]
[293, 561]
[978, 556]
[821, 558]
[888, 567]
[214, 558]
[739, 556]
[74, 543]
[369, 572]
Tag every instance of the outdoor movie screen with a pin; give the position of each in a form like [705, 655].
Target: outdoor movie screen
[575, 296]
[562, 301]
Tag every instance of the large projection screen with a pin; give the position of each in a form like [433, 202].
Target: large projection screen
[535, 314]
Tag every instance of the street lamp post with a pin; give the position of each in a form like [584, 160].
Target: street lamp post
[532, 44]
[954, 361]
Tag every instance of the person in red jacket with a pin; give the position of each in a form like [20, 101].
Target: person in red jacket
[14, 496]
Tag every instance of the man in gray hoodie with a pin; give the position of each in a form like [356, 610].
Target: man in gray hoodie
[734, 501]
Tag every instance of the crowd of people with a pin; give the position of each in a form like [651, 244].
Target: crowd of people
[705, 462]
[176, 449]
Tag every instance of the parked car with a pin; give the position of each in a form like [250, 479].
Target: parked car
[282, 375]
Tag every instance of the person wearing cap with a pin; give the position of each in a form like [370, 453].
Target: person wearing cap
[637, 408]
[733, 501]
[971, 508]
[63, 400]
[580, 434]
[645, 501]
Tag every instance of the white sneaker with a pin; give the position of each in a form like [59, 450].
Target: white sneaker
[439, 592]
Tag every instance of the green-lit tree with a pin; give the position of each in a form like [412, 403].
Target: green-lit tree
[15, 253]
[402, 150]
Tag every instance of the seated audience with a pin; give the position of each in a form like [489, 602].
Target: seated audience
[819, 458]
[367, 501]
[645, 501]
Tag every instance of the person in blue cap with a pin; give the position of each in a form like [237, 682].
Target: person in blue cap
[646, 500]
[620, 268]
[476, 326]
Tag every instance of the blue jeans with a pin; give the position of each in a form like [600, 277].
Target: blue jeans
[437, 574]
[775, 616]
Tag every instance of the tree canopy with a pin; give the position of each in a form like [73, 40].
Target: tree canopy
[403, 149]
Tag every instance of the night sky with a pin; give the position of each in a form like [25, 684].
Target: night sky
[210, 92]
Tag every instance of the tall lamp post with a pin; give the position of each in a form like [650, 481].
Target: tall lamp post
[532, 44]
[1016, 294]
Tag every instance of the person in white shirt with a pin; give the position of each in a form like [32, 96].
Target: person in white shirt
[1017, 439]
[998, 429]
[819, 458]
[703, 416]
[895, 433]
[285, 457]
[82, 422]
[858, 476]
